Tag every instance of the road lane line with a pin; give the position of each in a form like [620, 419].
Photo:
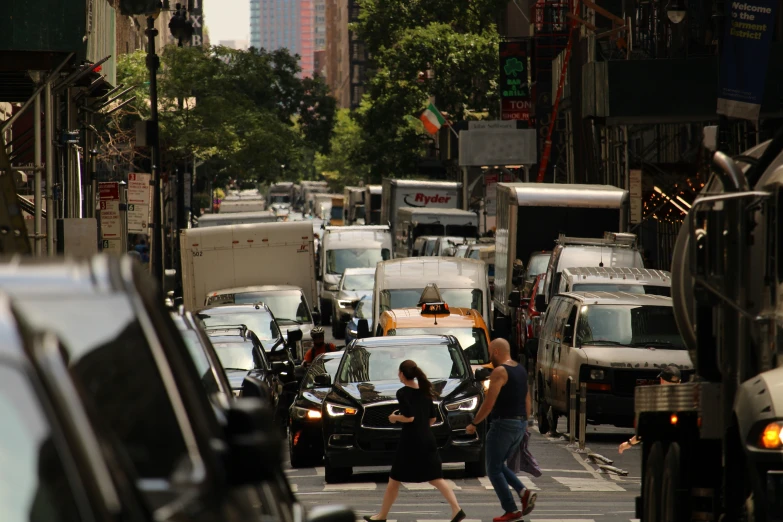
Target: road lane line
[587, 466]
[529, 484]
[319, 472]
[359, 486]
[580, 484]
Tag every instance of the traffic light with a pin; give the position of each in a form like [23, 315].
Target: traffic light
[139, 7]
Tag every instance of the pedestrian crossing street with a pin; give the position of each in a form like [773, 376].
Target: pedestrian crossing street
[304, 481]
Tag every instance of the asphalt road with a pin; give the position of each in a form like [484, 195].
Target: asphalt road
[571, 488]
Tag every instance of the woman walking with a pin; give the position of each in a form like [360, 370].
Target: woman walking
[417, 458]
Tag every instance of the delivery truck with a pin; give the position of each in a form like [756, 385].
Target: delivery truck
[531, 217]
[234, 256]
[399, 193]
[415, 222]
[373, 197]
[353, 198]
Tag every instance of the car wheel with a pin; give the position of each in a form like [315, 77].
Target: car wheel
[335, 475]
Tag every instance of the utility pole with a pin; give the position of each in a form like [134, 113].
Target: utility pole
[156, 237]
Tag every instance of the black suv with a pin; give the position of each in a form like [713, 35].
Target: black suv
[124, 348]
[356, 427]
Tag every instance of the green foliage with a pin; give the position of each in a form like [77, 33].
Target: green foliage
[245, 113]
[339, 166]
[422, 49]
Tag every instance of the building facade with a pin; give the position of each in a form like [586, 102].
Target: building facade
[275, 24]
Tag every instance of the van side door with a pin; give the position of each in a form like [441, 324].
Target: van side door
[563, 365]
[547, 343]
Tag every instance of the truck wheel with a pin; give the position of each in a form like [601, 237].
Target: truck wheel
[334, 475]
[672, 503]
[651, 487]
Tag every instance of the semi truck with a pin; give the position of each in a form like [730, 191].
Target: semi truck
[233, 256]
[309, 189]
[530, 218]
[399, 193]
[373, 197]
[281, 195]
[354, 205]
[712, 448]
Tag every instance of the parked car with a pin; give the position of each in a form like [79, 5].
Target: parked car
[60, 462]
[243, 358]
[613, 342]
[356, 427]
[354, 284]
[305, 440]
[363, 310]
[122, 345]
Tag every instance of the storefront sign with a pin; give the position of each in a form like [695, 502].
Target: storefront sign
[514, 81]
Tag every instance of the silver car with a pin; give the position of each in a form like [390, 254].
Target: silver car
[354, 284]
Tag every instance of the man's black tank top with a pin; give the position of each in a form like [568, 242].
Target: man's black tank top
[512, 396]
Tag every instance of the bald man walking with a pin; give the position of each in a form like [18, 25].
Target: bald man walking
[508, 402]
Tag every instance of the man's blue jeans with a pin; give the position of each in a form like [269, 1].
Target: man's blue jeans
[503, 439]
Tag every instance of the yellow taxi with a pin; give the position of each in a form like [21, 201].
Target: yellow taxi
[436, 318]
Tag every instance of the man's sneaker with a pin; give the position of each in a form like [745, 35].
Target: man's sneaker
[528, 499]
[509, 517]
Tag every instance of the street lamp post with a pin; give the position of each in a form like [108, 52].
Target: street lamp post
[156, 237]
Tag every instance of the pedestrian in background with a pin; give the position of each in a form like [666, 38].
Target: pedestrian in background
[670, 375]
[417, 458]
[509, 403]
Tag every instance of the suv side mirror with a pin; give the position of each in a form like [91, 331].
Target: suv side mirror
[323, 380]
[294, 335]
[514, 299]
[363, 329]
[254, 387]
[251, 436]
[330, 514]
[482, 374]
[541, 305]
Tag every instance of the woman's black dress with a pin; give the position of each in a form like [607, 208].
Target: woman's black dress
[417, 458]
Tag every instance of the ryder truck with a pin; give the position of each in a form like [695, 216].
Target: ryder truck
[400, 193]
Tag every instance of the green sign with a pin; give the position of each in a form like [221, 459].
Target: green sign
[514, 70]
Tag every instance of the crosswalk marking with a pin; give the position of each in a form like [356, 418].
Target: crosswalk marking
[320, 472]
[526, 481]
[357, 486]
[425, 485]
[581, 484]
[294, 488]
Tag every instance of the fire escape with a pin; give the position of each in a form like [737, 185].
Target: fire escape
[357, 58]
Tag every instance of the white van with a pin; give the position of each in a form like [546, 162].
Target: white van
[348, 247]
[462, 283]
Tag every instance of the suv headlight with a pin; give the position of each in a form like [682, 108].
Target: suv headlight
[771, 437]
[335, 410]
[305, 413]
[468, 404]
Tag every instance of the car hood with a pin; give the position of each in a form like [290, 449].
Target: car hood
[315, 395]
[353, 295]
[236, 378]
[372, 392]
[637, 357]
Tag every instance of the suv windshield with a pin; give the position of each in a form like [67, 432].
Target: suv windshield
[629, 325]
[339, 259]
[238, 356]
[359, 282]
[538, 264]
[34, 484]
[632, 289]
[472, 340]
[287, 306]
[321, 367]
[382, 363]
[454, 297]
[259, 321]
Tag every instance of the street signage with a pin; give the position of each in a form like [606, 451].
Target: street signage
[109, 190]
[635, 190]
[138, 218]
[515, 99]
[139, 188]
[111, 220]
[112, 246]
[491, 124]
[497, 147]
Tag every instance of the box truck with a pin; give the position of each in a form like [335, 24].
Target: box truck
[398, 193]
[373, 196]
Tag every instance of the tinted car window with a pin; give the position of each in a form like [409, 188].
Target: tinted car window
[239, 356]
[383, 363]
[287, 306]
[34, 484]
[320, 367]
[111, 356]
[200, 360]
[472, 340]
[338, 260]
[259, 321]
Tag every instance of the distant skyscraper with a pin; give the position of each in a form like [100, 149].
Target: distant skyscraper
[285, 24]
[320, 25]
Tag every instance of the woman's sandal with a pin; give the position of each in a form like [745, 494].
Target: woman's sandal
[459, 516]
[369, 518]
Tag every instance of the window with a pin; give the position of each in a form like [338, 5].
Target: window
[633, 289]
[364, 309]
[110, 355]
[239, 356]
[629, 325]
[537, 265]
[200, 359]
[472, 340]
[338, 260]
[287, 307]
[454, 297]
[321, 367]
[359, 282]
[34, 484]
[260, 322]
[382, 363]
